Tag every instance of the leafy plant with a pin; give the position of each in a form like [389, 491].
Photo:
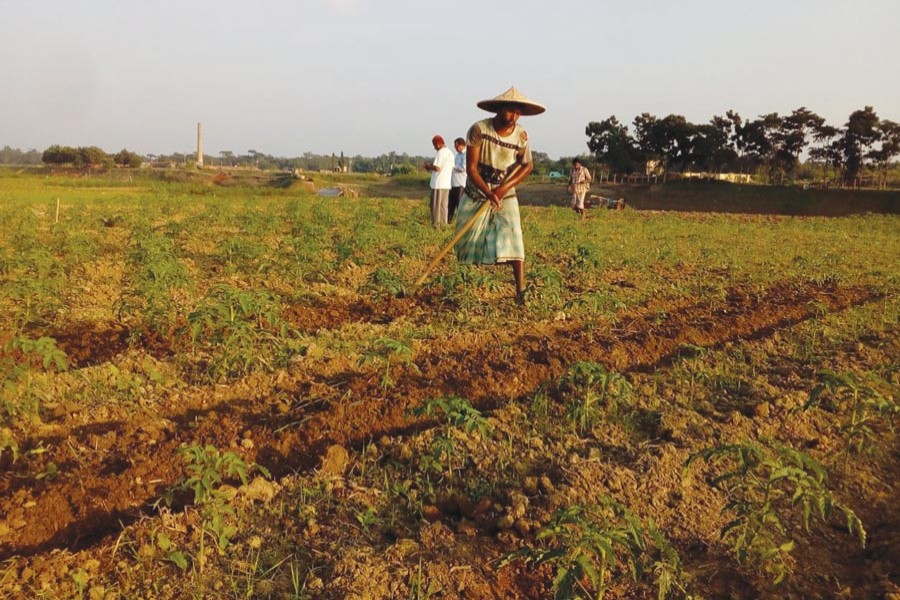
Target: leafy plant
[366, 518]
[387, 352]
[460, 287]
[8, 442]
[763, 487]
[383, 282]
[586, 258]
[75, 247]
[244, 327]
[49, 473]
[171, 551]
[548, 282]
[302, 253]
[590, 390]
[43, 348]
[587, 544]
[861, 402]
[17, 357]
[456, 414]
[207, 469]
[154, 273]
[80, 578]
[241, 254]
[33, 284]
[360, 240]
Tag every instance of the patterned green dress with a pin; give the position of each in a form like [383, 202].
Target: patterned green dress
[497, 235]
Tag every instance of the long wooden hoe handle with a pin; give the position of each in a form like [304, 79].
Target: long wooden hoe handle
[485, 206]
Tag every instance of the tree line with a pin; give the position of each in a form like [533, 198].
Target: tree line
[769, 146]
[388, 163]
[393, 163]
[14, 156]
[89, 157]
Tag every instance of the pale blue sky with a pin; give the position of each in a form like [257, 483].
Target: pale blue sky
[372, 76]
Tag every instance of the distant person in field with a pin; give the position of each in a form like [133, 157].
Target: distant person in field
[458, 180]
[579, 182]
[498, 157]
[441, 171]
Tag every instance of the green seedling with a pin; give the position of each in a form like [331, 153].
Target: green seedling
[81, 579]
[763, 487]
[586, 258]
[33, 283]
[242, 256]
[154, 274]
[207, 469]
[383, 282]
[366, 518]
[387, 352]
[418, 590]
[8, 443]
[456, 414]
[49, 473]
[243, 327]
[590, 391]
[43, 348]
[17, 358]
[861, 405]
[589, 544]
[171, 552]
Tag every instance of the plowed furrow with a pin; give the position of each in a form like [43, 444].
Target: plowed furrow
[99, 491]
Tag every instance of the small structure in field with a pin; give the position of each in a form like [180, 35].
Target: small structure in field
[604, 202]
[338, 191]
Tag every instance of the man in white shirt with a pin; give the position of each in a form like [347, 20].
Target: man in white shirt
[441, 171]
[458, 180]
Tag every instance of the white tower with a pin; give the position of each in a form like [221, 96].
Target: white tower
[199, 144]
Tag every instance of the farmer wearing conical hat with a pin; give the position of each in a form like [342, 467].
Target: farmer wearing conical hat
[498, 157]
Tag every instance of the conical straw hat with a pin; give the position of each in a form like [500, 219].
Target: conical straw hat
[512, 96]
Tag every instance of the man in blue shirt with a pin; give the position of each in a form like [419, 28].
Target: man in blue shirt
[458, 179]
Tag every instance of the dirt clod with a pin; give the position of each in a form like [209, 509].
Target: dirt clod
[335, 461]
[260, 490]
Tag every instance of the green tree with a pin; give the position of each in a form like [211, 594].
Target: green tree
[789, 140]
[227, 157]
[14, 156]
[827, 148]
[710, 148]
[59, 155]
[542, 162]
[126, 158]
[741, 140]
[611, 143]
[860, 133]
[753, 141]
[724, 153]
[889, 133]
[667, 140]
[92, 156]
[645, 126]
